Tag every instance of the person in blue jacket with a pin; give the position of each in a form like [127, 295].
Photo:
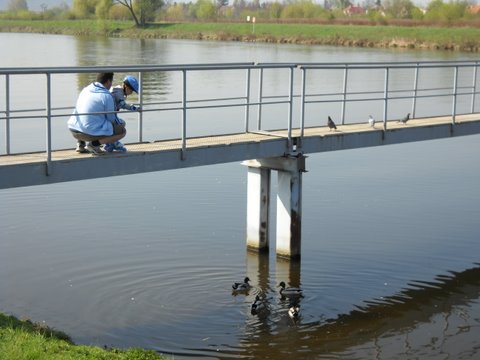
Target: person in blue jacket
[94, 121]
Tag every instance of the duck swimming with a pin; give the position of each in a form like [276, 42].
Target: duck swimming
[258, 305]
[289, 291]
[242, 286]
[294, 311]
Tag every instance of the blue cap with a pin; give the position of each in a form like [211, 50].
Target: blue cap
[131, 82]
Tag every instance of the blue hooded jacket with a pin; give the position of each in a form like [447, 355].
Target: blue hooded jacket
[94, 98]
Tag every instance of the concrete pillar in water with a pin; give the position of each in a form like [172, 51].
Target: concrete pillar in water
[289, 214]
[258, 208]
[289, 203]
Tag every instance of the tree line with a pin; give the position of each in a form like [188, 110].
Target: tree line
[141, 12]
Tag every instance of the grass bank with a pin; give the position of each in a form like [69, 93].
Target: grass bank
[22, 340]
[386, 36]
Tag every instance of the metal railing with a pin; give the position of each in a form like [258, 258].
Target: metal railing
[298, 93]
[390, 95]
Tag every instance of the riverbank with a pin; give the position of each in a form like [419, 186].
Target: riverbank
[27, 340]
[433, 38]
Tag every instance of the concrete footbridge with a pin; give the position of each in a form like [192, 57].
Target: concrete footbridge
[437, 110]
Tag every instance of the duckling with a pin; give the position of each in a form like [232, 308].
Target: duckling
[294, 311]
[258, 305]
[241, 286]
[289, 291]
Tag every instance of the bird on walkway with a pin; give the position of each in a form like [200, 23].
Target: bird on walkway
[258, 305]
[294, 312]
[242, 286]
[331, 124]
[371, 121]
[289, 291]
[405, 119]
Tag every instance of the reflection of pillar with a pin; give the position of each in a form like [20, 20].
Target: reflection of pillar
[258, 270]
[289, 203]
[258, 208]
[288, 271]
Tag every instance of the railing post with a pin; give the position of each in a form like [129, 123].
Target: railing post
[184, 113]
[290, 109]
[49, 123]
[247, 100]
[385, 101]
[345, 80]
[302, 103]
[454, 99]
[474, 86]
[140, 101]
[7, 114]
[260, 99]
[415, 90]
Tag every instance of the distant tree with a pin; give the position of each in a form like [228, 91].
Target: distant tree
[84, 8]
[102, 9]
[204, 10]
[141, 10]
[400, 9]
[440, 11]
[274, 10]
[342, 4]
[119, 12]
[303, 9]
[240, 4]
[175, 12]
[17, 5]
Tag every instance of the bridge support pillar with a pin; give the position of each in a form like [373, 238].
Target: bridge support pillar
[289, 204]
[258, 208]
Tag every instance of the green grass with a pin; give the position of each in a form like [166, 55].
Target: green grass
[25, 340]
[448, 38]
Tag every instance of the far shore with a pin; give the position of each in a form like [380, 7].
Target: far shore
[466, 39]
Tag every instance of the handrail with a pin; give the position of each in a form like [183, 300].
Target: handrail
[294, 92]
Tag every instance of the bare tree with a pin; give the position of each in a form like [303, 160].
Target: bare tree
[129, 5]
[141, 10]
[17, 5]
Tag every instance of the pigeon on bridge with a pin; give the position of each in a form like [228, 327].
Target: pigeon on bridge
[405, 119]
[371, 121]
[331, 124]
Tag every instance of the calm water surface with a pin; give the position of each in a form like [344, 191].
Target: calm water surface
[390, 265]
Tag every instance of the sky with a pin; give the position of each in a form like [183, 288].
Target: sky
[35, 5]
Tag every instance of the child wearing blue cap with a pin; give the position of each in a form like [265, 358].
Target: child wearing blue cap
[120, 93]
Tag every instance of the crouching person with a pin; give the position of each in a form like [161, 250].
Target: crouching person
[94, 122]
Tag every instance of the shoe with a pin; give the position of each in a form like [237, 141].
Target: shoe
[118, 146]
[81, 148]
[109, 147]
[94, 150]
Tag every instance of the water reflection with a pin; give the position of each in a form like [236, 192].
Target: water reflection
[398, 318]
[105, 51]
